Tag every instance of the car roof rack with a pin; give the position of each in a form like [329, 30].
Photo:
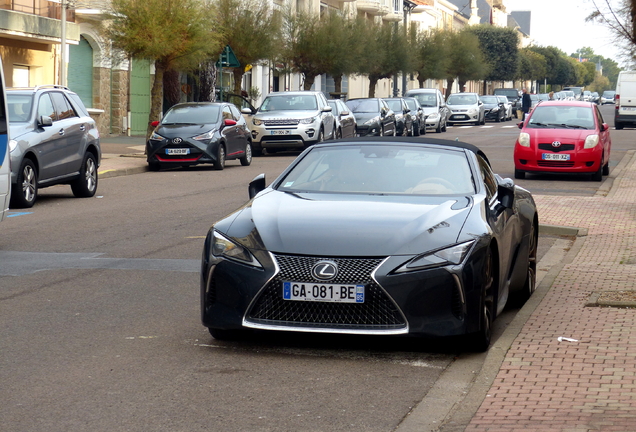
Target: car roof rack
[43, 86]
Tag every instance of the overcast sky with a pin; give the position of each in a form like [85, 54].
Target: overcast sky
[561, 23]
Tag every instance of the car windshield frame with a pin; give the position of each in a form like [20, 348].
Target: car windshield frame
[191, 114]
[381, 170]
[487, 99]
[19, 113]
[395, 105]
[562, 117]
[289, 102]
[425, 99]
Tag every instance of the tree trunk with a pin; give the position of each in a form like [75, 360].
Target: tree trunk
[238, 79]
[156, 97]
[337, 81]
[421, 80]
[372, 83]
[309, 81]
[485, 88]
[449, 86]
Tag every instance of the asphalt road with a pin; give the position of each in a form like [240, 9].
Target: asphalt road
[99, 316]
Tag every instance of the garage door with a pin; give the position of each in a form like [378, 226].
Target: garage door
[80, 71]
[139, 96]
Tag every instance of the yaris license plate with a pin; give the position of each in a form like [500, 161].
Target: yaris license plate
[177, 151]
[555, 156]
[336, 293]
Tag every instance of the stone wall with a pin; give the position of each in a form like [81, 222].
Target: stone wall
[110, 95]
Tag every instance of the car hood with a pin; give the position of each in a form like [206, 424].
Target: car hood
[18, 129]
[180, 130]
[348, 225]
[565, 135]
[490, 105]
[362, 117]
[463, 107]
[287, 114]
[430, 110]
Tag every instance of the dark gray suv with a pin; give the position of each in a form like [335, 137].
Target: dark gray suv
[53, 141]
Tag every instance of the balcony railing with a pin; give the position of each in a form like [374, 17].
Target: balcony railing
[43, 8]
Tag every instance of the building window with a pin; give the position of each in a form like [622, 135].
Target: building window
[20, 76]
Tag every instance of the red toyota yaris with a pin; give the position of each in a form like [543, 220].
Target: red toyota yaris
[563, 137]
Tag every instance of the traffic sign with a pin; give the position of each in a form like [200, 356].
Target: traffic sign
[228, 59]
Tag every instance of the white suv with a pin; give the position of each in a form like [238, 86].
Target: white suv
[289, 120]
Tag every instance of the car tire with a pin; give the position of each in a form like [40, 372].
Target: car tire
[480, 341]
[339, 133]
[86, 185]
[154, 166]
[444, 128]
[219, 163]
[417, 130]
[394, 129]
[618, 126]
[257, 150]
[520, 297]
[598, 175]
[438, 129]
[321, 135]
[483, 120]
[520, 174]
[26, 190]
[247, 159]
[381, 133]
[606, 169]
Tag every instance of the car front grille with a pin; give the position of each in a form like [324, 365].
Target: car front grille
[562, 147]
[281, 122]
[555, 164]
[377, 313]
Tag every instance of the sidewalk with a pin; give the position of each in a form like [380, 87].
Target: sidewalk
[586, 382]
[114, 164]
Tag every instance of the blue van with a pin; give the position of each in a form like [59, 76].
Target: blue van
[5, 160]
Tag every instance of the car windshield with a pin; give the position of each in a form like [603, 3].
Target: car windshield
[289, 103]
[395, 105]
[511, 93]
[364, 105]
[489, 99]
[411, 103]
[459, 99]
[609, 93]
[192, 114]
[503, 99]
[19, 107]
[426, 99]
[564, 116]
[381, 170]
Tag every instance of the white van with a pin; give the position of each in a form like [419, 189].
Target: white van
[5, 160]
[625, 100]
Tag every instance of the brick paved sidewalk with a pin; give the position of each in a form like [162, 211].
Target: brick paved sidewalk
[588, 385]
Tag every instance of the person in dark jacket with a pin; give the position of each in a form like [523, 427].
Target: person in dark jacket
[526, 103]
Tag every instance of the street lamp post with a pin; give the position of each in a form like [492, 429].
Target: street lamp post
[63, 45]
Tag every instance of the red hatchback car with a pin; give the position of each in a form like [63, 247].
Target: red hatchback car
[563, 137]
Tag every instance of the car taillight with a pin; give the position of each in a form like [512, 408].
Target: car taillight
[617, 101]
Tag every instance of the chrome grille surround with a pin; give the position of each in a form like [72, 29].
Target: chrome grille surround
[377, 315]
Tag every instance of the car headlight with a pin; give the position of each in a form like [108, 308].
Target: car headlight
[222, 246]
[495, 109]
[12, 145]
[371, 121]
[472, 111]
[206, 136]
[524, 139]
[256, 122]
[309, 120]
[450, 255]
[156, 137]
[432, 116]
[591, 141]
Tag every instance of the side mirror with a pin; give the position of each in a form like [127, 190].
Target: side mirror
[257, 185]
[154, 123]
[506, 192]
[247, 111]
[344, 113]
[326, 109]
[229, 122]
[604, 127]
[520, 125]
[45, 121]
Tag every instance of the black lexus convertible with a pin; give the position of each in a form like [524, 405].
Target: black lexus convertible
[374, 236]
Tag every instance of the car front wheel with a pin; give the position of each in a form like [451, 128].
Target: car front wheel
[86, 185]
[219, 163]
[247, 159]
[26, 192]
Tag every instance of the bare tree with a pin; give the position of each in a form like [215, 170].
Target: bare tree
[619, 18]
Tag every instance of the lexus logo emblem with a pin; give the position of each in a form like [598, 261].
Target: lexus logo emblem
[556, 144]
[324, 270]
[177, 141]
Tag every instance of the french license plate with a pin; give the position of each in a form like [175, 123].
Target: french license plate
[177, 151]
[555, 156]
[628, 108]
[335, 293]
[280, 132]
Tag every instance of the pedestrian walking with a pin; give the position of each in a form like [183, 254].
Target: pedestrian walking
[551, 95]
[526, 103]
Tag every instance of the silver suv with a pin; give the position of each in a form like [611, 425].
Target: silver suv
[54, 141]
[288, 120]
